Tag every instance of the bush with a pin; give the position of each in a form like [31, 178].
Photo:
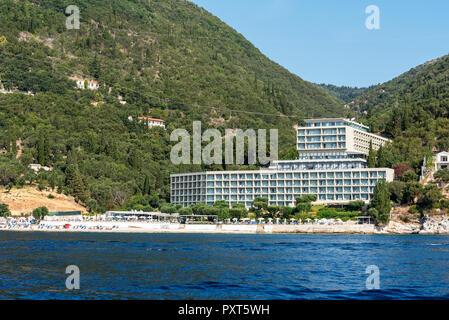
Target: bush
[332, 213]
[50, 196]
[185, 211]
[356, 205]
[413, 209]
[444, 204]
[306, 198]
[4, 210]
[168, 208]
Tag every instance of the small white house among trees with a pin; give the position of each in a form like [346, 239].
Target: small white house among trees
[442, 160]
[152, 122]
[85, 83]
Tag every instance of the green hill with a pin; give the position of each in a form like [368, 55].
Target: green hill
[167, 58]
[413, 109]
[343, 93]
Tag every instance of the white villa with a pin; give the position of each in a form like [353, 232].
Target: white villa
[442, 160]
[152, 122]
[80, 83]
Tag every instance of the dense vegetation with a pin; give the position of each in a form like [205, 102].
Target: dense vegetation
[166, 58]
[344, 93]
[413, 110]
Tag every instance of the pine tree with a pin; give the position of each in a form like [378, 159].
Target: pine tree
[76, 183]
[381, 202]
[371, 156]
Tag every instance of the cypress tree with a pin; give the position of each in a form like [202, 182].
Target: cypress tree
[381, 202]
[41, 150]
[381, 158]
[371, 156]
[146, 186]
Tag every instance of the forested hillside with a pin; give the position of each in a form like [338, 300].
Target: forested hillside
[412, 109]
[344, 93]
[166, 58]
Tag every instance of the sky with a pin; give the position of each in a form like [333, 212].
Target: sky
[327, 41]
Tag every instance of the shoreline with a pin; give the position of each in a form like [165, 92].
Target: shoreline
[364, 229]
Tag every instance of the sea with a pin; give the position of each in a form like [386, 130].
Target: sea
[45, 265]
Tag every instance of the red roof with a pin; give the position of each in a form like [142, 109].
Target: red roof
[152, 119]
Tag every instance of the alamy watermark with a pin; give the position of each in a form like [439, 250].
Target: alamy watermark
[73, 280]
[73, 20]
[372, 22]
[373, 280]
[213, 152]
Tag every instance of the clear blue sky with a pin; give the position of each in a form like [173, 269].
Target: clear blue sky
[327, 41]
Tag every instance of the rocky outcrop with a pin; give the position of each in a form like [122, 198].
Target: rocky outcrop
[435, 225]
[427, 225]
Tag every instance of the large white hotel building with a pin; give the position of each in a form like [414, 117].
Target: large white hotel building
[332, 165]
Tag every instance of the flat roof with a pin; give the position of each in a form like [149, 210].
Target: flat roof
[336, 119]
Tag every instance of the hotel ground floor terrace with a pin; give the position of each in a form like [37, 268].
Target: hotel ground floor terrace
[280, 187]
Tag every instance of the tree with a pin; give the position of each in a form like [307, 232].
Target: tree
[400, 169]
[442, 175]
[76, 183]
[372, 212]
[412, 191]
[92, 204]
[396, 189]
[40, 213]
[259, 205]
[223, 209]
[273, 210]
[382, 161]
[431, 196]
[381, 202]
[4, 210]
[409, 175]
[304, 203]
[146, 185]
[371, 156]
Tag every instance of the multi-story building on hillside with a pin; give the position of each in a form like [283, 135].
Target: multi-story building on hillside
[332, 165]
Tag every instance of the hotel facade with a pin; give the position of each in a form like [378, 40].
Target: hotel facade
[332, 165]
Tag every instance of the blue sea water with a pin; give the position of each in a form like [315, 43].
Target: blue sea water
[233, 266]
